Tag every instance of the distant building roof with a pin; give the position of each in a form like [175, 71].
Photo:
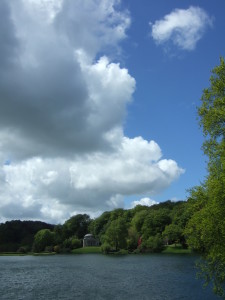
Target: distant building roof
[88, 236]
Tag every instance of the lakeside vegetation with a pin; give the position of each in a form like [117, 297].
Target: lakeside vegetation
[176, 249]
[170, 249]
[142, 229]
[87, 250]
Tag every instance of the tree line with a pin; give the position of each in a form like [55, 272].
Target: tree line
[141, 229]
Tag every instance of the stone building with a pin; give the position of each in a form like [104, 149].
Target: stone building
[89, 240]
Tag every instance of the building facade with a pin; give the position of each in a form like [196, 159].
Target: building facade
[89, 240]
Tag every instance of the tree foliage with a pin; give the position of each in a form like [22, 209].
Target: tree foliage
[43, 239]
[116, 234]
[77, 225]
[155, 222]
[206, 228]
[15, 234]
[173, 233]
[72, 243]
[212, 116]
[155, 243]
[118, 228]
[98, 226]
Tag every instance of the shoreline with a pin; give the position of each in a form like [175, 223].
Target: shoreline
[171, 249]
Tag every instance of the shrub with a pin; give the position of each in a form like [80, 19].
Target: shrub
[49, 249]
[75, 243]
[57, 249]
[22, 250]
[155, 243]
[42, 239]
[122, 251]
[72, 243]
[105, 248]
[137, 251]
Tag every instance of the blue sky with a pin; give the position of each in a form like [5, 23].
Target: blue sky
[98, 103]
[169, 87]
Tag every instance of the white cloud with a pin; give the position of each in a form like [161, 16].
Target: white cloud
[62, 112]
[93, 182]
[184, 27]
[143, 201]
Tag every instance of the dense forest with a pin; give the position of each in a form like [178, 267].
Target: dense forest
[19, 235]
[141, 229]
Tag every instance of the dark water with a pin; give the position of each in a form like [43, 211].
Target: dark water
[156, 277]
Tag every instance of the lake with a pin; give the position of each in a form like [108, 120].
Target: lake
[96, 276]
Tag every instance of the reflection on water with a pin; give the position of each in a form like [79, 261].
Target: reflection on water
[155, 277]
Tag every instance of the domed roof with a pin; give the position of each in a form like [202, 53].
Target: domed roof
[89, 235]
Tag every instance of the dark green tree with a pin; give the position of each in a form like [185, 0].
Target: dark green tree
[138, 220]
[16, 234]
[98, 226]
[76, 225]
[132, 239]
[59, 234]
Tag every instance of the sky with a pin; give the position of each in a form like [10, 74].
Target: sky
[98, 103]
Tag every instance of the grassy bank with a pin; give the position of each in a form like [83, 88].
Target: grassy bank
[87, 250]
[44, 253]
[23, 254]
[176, 249]
[12, 254]
[171, 249]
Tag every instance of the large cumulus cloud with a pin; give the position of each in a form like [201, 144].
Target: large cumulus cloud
[62, 106]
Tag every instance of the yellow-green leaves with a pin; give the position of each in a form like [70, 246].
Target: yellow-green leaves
[206, 229]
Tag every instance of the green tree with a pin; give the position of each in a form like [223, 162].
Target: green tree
[212, 119]
[43, 238]
[105, 248]
[181, 213]
[59, 234]
[132, 239]
[72, 243]
[98, 226]
[173, 233]
[138, 220]
[206, 228]
[76, 225]
[155, 222]
[155, 244]
[116, 213]
[116, 234]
